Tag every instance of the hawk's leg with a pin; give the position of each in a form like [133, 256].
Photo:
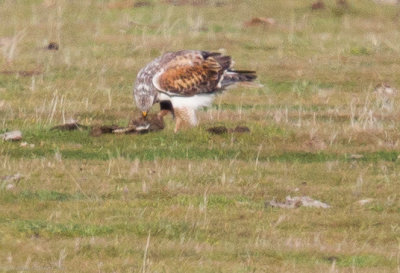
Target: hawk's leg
[162, 114]
[184, 115]
[178, 123]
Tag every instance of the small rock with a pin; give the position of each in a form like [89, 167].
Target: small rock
[384, 89]
[9, 181]
[297, 201]
[356, 156]
[58, 156]
[10, 187]
[26, 144]
[12, 136]
[365, 201]
[385, 96]
[12, 178]
[387, 2]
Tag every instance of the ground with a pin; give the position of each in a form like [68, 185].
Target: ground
[195, 201]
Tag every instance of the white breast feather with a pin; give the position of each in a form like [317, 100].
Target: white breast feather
[193, 102]
[163, 96]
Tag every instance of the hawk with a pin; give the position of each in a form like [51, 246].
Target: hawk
[184, 81]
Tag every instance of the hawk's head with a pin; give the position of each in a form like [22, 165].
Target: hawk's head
[144, 103]
[144, 97]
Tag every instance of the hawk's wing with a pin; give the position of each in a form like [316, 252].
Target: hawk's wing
[188, 73]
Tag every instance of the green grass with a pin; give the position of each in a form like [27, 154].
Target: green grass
[194, 201]
[36, 228]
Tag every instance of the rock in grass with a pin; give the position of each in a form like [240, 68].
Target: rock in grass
[12, 178]
[364, 201]
[220, 130]
[297, 201]
[387, 2]
[385, 90]
[12, 136]
[9, 181]
[26, 144]
[356, 156]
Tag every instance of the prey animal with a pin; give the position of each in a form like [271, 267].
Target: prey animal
[184, 81]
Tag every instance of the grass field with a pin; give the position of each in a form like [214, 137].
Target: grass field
[194, 201]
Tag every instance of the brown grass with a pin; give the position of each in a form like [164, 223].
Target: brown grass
[194, 201]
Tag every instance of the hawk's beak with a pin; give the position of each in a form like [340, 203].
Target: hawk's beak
[144, 114]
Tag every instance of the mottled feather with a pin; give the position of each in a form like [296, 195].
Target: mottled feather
[192, 73]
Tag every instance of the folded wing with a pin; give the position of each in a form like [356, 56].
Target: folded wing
[192, 72]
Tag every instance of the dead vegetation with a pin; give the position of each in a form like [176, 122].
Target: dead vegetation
[297, 202]
[12, 136]
[324, 124]
[260, 21]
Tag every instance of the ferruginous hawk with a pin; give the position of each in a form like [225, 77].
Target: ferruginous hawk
[184, 81]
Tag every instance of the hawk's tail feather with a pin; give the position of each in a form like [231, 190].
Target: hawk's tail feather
[245, 75]
[207, 54]
[238, 76]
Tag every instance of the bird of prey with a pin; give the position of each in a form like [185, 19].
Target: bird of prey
[184, 81]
